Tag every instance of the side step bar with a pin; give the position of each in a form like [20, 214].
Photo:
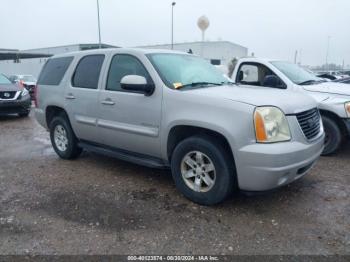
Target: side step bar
[135, 158]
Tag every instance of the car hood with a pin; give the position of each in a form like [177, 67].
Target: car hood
[330, 88]
[289, 102]
[9, 87]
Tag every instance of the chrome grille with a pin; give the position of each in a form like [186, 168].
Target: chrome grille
[309, 122]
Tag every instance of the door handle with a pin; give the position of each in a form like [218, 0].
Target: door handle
[108, 102]
[70, 96]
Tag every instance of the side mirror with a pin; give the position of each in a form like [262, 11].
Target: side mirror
[137, 84]
[273, 81]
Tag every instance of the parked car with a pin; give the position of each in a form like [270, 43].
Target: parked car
[332, 75]
[13, 99]
[343, 80]
[172, 109]
[333, 98]
[328, 76]
[26, 81]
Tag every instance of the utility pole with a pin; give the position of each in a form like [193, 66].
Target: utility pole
[172, 24]
[295, 56]
[99, 25]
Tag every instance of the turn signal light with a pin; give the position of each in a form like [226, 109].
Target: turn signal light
[260, 127]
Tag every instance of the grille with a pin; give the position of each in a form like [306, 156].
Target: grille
[7, 94]
[309, 122]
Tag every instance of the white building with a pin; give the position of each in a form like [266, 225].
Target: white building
[23, 62]
[30, 62]
[217, 52]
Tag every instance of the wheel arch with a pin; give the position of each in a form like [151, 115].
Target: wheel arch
[336, 119]
[52, 111]
[180, 132]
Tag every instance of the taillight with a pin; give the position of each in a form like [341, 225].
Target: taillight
[36, 90]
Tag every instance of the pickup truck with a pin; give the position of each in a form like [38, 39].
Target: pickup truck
[333, 98]
[174, 110]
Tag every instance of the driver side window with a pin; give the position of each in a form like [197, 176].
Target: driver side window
[258, 75]
[121, 66]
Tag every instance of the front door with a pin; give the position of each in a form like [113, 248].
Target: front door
[128, 120]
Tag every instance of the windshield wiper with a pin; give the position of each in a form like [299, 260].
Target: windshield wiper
[194, 84]
[308, 82]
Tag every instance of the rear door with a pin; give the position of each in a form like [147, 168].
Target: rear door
[128, 120]
[82, 95]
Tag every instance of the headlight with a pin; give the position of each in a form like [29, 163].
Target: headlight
[270, 125]
[347, 108]
[25, 92]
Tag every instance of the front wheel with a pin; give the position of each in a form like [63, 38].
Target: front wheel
[63, 139]
[333, 136]
[202, 170]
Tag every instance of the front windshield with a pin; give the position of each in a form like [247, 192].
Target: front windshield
[28, 78]
[295, 73]
[4, 80]
[177, 70]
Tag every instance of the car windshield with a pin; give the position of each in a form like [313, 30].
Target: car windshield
[182, 70]
[4, 80]
[28, 78]
[295, 73]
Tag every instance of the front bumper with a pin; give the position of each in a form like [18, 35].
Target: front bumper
[262, 167]
[18, 106]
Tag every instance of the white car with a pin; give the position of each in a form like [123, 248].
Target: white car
[333, 98]
[26, 81]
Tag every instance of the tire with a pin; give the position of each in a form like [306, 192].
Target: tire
[333, 136]
[64, 141]
[26, 114]
[224, 176]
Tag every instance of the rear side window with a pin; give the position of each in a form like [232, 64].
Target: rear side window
[54, 70]
[88, 71]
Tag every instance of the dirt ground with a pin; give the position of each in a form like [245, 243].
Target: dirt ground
[100, 205]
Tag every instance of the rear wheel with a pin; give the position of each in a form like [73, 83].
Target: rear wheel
[202, 170]
[63, 139]
[333, 136]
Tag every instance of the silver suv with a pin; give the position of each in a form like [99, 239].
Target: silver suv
[171, 109]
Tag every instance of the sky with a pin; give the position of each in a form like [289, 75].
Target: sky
[268, 28]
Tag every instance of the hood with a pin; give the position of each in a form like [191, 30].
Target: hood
[9, 87]
[330, 88]
[289, 102]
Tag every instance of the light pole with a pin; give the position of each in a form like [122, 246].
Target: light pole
[99, 25]
[327, 53]
[172, 24]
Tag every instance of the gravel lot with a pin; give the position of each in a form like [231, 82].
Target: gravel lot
[100, 205]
